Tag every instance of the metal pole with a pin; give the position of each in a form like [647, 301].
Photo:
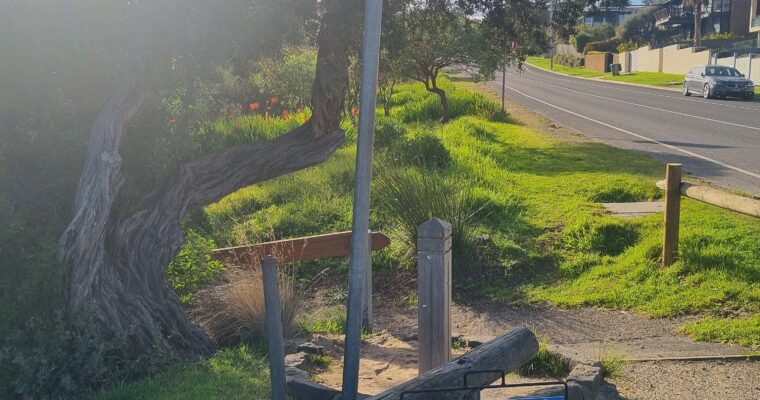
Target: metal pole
[551, 35]
[360, 227]
[503, 86]
[274, 328]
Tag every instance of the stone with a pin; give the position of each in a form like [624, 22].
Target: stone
[297, 360]
[586, 378]
[608, 392]
[311, 348]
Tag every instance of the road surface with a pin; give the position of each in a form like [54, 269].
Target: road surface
[717, 140]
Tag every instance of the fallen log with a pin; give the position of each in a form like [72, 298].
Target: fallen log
[505, 353]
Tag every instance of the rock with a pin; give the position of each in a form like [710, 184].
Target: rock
[300, 387]
[297, 360]
[311, 348]
[608, 392]
[585, 381]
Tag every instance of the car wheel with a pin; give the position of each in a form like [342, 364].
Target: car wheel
[706, 91]
[686, 91]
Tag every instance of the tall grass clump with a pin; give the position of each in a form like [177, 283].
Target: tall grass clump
[423, 150]
[233, 312]
[407, 198]
[461, 103]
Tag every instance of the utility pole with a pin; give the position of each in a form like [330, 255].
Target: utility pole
[360, 239]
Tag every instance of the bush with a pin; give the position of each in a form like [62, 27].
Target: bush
[587, 34]
[425, 150]
[569, 60]
[193, 266]
[605, 46]
[388, 131]
[288, 78]
[627, 46]
[58, 359]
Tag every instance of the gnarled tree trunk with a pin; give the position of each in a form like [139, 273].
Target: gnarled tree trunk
[118, 264]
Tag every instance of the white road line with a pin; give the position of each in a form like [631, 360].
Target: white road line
[639, 105]
[615, 86]
[627, 132]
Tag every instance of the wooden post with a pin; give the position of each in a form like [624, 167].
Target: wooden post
[274, 328]
[434, 291]
[672, 213]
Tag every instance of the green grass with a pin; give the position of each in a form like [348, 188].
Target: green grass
[545, 363]
[536, 196]
[643, 78]
[745, 331]
[649, 78]
[230, 374]
[545, 63]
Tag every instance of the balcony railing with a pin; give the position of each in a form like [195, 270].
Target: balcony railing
[662, 15]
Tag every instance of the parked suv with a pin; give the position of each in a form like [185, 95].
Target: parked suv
[718, 81]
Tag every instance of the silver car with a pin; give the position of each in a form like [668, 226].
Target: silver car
[718, 81]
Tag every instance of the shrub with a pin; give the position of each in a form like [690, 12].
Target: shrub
[425, 150]
[569, 60]
[193, 266]
[587, 34]
[289, 77]
[59, 359]
[627, 46]
[604, 236]
[388, 131]
[233, 312]
[606, 46]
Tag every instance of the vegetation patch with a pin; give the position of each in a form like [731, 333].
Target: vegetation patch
[545, 364]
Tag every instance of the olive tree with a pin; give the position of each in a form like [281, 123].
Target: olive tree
[113, 61]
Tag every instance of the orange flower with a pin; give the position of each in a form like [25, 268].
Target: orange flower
[275, 100]
[354, 111]
[286, 114]
[254, 106]
[172, 121]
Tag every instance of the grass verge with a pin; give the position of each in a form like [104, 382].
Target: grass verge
[545, 63]
[236, 373]
[649, 78]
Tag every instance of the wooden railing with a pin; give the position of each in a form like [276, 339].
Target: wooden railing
[674, 189]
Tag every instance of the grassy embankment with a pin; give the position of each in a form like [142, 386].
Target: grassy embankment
[537, 197]
[643, 78]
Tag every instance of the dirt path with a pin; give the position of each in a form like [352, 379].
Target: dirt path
[581, 334]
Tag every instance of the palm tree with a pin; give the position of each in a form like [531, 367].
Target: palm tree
[697, 4]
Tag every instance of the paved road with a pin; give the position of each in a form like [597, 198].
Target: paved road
[718, 140]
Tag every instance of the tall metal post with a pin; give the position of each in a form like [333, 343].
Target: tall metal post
[551, 35]
[360, 239]
[503, 86]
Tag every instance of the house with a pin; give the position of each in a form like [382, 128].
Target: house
[718, 16]
[754, 15]
[612, 16]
